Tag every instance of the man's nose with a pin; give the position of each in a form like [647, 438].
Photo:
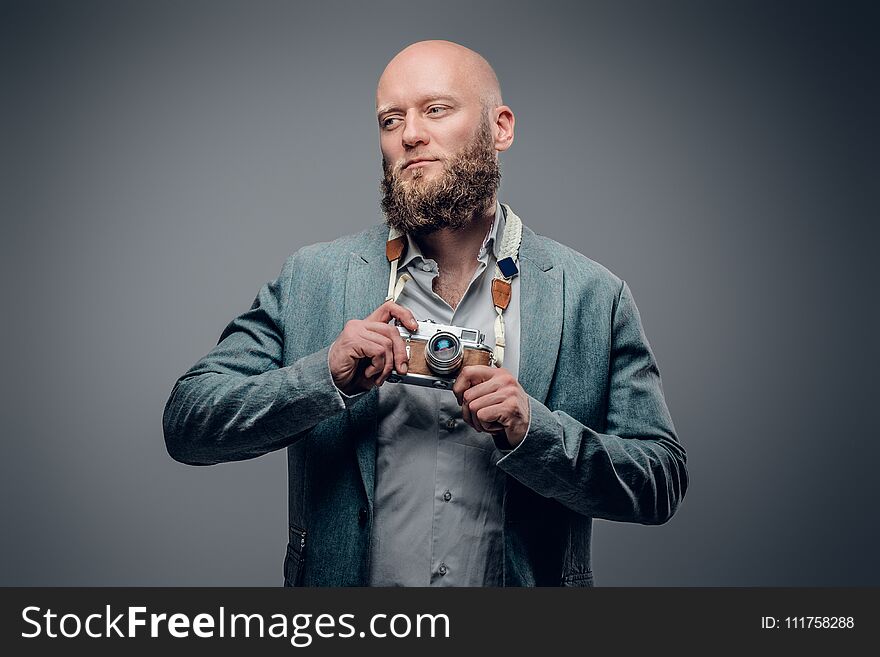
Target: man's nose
[414, 130]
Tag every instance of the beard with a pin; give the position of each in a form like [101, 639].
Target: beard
[466, 186]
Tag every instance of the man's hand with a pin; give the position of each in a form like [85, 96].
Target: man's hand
[493, 401]
[364, 354]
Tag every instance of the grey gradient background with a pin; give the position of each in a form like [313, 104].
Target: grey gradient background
[161, 159]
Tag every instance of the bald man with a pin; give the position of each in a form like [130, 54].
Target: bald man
[415, 470]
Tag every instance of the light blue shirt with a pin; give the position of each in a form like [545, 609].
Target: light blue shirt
[438, 497]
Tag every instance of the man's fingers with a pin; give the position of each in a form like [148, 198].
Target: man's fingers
[389, 309]
[389, 366]
[377, 348]
[466, 416]
[405, 316]
[375, 366]
[482, 389]
[381, 314]
[374, 339]
[398, 346]
[491, 419]
[470, 376]
[371, 370]
[482, 419]
[490, 414]
[471, 418]
[485, 401]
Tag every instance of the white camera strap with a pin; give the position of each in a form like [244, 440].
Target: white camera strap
[505, 270]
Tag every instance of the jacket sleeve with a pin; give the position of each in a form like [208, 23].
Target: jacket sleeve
[238, 402]
[636, 471]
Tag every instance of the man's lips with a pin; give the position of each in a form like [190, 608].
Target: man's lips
[417, 162]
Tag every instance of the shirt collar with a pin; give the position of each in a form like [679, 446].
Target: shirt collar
[492, 241]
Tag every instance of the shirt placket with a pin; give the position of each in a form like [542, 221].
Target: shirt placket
[449, 514]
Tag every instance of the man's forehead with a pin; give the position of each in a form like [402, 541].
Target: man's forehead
[417, 92]
[425, 72]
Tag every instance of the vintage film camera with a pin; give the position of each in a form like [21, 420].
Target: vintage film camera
[437, 353]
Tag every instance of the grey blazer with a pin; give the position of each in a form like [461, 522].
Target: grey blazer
[601, 442]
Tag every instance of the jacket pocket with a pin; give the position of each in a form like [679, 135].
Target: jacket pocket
[578, 579]
[295, 557]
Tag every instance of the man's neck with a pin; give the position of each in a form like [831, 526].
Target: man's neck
[456, 251]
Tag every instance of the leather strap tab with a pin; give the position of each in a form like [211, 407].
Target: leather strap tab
[394, 248]
[500, 293]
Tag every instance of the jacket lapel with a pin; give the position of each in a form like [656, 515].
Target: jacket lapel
[541, 315]
[365, 288]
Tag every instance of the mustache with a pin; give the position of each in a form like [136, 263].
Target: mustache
[398, 166]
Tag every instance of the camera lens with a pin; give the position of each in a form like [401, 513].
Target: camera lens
[444, 347]
[444, 353]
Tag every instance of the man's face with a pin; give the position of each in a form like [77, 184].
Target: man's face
[439, 160]
[427, 111]
[465, 183]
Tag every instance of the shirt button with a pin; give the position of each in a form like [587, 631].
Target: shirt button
[363, 514]
[443, 569]
[447, 496]
[426, 267]
[450, 424]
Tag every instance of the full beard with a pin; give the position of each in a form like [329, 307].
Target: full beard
[466, 186]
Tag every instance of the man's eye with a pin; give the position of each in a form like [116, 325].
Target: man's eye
[389, 122]
[436, 109]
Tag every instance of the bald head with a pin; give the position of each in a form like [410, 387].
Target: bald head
[441, 127]
[438, 102]
[447, 64]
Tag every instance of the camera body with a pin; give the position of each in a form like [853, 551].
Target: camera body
[438, 352]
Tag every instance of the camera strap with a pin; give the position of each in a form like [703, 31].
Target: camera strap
[394, 250]
[505, 270]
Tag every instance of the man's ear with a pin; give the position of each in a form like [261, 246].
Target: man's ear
[502, 127]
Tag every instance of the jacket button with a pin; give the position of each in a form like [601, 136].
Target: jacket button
[450, 424]
[447, 496]
[443, 569]
[363, 514]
